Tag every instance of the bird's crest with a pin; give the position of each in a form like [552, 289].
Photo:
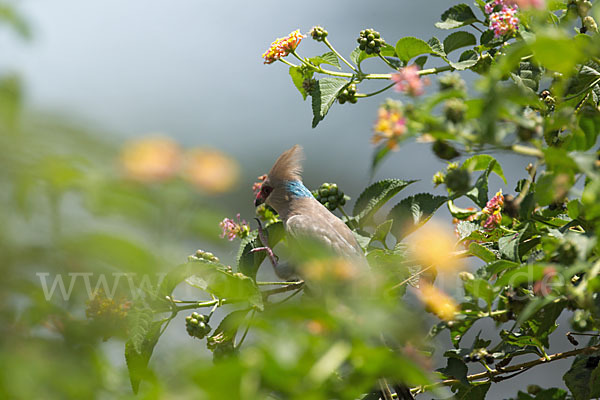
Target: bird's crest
[288, 166]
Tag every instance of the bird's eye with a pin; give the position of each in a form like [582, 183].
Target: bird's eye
[266, 190]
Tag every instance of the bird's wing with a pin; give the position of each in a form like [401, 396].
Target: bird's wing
[326, 229]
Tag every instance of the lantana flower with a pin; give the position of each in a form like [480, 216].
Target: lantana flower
[232, 229]
[438, 302]
[282, 47]
[493, 210]
[526, 4]
[502, 16]
[390, 124]
[150, 159]
[409, 81]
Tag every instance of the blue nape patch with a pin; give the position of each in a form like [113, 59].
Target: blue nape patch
[297, 189]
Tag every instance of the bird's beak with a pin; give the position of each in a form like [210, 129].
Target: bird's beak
[259, 200]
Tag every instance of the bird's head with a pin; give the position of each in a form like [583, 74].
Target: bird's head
[284, 181]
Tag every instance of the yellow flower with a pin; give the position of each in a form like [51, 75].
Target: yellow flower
[210, 170]
[434, 245]
[438, 302]
[150, 159]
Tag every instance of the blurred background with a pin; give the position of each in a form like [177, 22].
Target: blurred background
[129, 129]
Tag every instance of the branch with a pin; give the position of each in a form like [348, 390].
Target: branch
[492, 374]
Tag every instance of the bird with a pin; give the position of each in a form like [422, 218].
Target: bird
[303, 216]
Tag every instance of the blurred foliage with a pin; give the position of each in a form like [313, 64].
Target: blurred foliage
[93, 234]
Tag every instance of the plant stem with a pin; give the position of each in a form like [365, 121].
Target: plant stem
[588, 87]
[473, 25]
[339, 55]
[287, 62]
[377, 92]
[385, 60]
[526, 150]
[436, 70]
[519, 367]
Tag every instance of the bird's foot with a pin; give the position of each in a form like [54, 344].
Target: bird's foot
[262, 235]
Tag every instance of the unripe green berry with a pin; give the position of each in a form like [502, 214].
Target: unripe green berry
[342, 201]
[457, 180]
[332, 199]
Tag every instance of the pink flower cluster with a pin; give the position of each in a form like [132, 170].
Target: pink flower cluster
[493, 210]
[233, 229]
[504, 21]
[526, 4]
[409, 81]
[282, 47]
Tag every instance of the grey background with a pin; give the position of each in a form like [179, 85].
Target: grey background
[192, 70]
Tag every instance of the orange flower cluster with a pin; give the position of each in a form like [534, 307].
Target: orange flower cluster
[390, 125]
[282, 47]
[153, 160]
[493, 210]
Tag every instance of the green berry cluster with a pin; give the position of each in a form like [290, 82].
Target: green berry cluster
[479, 355]
[206, 255]
[348, 94]
[370, 41]
[452, 81]
[330, 196]
[196, 325]
[457, 180]
[582, 321]
[318, 33]
[455, 110]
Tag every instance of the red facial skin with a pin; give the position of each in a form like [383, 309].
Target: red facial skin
[262, 195]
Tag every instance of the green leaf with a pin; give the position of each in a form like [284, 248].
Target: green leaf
[589, 124]
[460, 213]
[409, 47]
[327, 58]
[215, 278]
[10, 17]
[299, 75]
[475, 391]
[455, 369]
[381, 232]
[375, 196]
[480, 289]
[479, 192]
[582, 381]
[457, 40]
[482, 252]
[324, 93]
[466, 60]
[139, 322]
[499, 266]
[456, 16]
[420, 61]
[137, 361]
[523, 274]
[436, 46]
[247, 262]
[227, 329]
[380, 153]
[481, 162]
[413, 212]
[557, 51]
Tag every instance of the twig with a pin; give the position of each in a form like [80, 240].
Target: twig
[515, 368]
[284, 289]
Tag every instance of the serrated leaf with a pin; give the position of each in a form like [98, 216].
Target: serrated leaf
[413, 212]
[583, 382]
[420, 61]
[324, 93]
[466, 228]
[299, 75]
[139, 320]
[457, 40]
[328, 58]
[481, 162]
[455, 369]
[436, 46]
[466, 60]
[375, 196]
[229, 326]
[137, 361]
[409, 47]
[480, 289]
[248, 262]
[217, 280]
[456, 16]
[479, 192]
[482, 252]
[381, 232]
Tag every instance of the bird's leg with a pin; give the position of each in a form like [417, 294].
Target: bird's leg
[262, 235]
